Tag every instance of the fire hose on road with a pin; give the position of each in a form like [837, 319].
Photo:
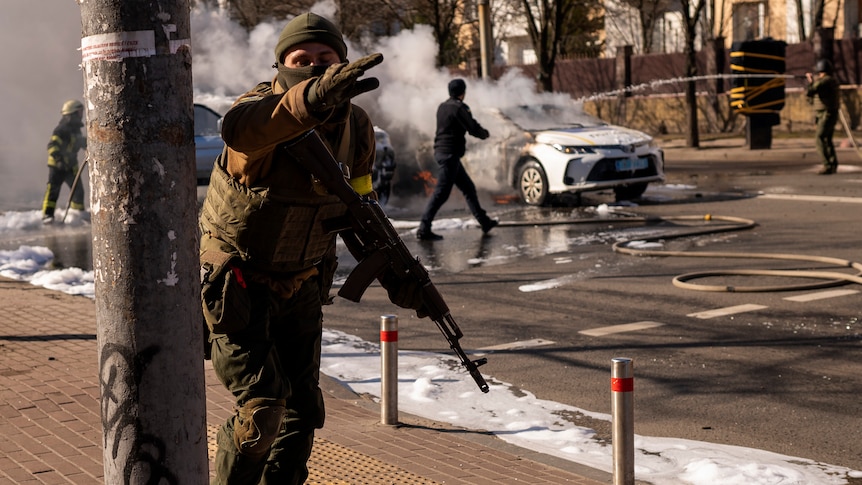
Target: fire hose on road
[725, 224]
[832, 278]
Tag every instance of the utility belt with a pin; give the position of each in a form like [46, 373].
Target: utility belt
[225, 289]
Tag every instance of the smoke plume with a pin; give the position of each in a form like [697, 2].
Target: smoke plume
[42, 71]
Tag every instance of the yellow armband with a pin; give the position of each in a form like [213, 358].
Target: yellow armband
[362, 185]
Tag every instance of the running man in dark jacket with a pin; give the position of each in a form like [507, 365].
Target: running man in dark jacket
[66, 141]
[454, 121]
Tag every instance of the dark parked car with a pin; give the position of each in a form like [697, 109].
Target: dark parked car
[384, 165]
[208, 142]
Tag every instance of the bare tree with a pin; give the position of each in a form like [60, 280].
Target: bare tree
[579, 36]
[366, 21]
[800, 18]
[692, 10]
[718, 23]
[637, 22]
[545, 27]
[818, 13]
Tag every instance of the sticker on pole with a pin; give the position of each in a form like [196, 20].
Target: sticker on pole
[118, 45]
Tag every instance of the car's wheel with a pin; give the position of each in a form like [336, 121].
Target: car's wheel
[533, 184]
[629, 192]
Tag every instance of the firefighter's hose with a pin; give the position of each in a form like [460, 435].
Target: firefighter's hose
[846, 126]
[832, 278]
[570, 222]
[74, 185]
[725, 224]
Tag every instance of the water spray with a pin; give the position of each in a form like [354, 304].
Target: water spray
[678, 80]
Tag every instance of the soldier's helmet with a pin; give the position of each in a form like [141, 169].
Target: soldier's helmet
[71, 106]
[823, 65]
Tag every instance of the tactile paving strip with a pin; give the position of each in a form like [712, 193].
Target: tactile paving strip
[333, 464]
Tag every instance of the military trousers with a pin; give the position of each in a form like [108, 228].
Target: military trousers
[277, 356]
[826, 121]
[56, 178]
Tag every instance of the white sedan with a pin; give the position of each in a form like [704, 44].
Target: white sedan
[553, 150]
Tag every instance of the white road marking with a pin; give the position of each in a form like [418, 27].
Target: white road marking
[519, 344]
[626, 327]
[821, 295]
[550, 284]
[731, 310]
[812, 198]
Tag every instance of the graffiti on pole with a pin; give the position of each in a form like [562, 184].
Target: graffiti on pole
[137, 453]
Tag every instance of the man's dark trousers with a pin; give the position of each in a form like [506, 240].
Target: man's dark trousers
[452, 174]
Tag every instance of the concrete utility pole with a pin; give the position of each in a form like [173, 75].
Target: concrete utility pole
[138, 90]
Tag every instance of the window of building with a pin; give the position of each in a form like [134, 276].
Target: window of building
[749, 21]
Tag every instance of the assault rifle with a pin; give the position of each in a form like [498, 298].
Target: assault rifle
[371, 239]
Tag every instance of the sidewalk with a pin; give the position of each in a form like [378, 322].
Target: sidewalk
[736, 148]
[50, 423]
[783, 148]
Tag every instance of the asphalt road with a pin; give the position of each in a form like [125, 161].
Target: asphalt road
[782, 375]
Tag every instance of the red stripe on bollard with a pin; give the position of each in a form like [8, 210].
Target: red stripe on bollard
[389, 336]
[622, 385]
[622, 420]
[389, 369]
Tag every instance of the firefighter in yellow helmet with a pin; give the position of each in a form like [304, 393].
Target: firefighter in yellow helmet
[66, 140]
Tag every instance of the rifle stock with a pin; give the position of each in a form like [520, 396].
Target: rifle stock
[376, 245]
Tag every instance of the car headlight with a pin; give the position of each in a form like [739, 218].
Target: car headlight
[572, 150]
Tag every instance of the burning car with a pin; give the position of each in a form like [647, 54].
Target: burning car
[551, 150]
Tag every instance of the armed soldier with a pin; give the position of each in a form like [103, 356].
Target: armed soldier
[66, 141]
[267, 262]
[823, 93]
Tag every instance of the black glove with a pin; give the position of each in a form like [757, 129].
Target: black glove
[339, 83]
[404, 292]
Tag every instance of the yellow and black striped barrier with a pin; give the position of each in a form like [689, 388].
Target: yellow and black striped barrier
[758, 94]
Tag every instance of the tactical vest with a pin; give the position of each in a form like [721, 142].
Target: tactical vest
[825, 94]
[281, 232]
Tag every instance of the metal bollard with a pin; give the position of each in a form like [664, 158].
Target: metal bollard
[389, 369]
[622, 418]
